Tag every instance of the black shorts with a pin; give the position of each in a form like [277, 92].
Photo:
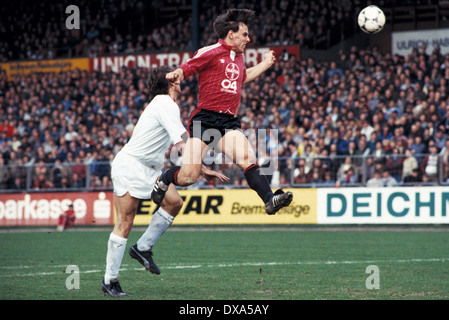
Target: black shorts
[210, 126]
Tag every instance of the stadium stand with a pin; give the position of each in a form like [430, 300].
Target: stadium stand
[338, 122]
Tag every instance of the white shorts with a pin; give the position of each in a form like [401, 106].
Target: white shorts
[130, 175]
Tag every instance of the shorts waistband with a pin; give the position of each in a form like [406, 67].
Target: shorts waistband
[217, 112]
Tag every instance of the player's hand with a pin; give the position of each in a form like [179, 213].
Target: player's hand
[172, 76]
[175, 76]
[270, 57]
[210, 174]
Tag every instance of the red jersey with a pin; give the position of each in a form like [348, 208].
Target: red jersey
[70, 212]
[221, 73]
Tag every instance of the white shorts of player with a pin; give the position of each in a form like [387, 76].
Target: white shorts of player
[130, 175]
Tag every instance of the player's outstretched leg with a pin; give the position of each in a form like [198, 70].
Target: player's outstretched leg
[279, 200]
[236, 146]
[258, 182]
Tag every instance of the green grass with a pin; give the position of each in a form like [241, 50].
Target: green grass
[237, 265]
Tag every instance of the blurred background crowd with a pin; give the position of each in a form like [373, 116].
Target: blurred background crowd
[135, 26]
[369, 118]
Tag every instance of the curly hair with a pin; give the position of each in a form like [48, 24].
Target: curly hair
[230, 20]
[157, 83]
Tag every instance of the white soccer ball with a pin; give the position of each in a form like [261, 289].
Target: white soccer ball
[371, 19]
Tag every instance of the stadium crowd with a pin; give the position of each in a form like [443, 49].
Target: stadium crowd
[322, 116]
[116, 26]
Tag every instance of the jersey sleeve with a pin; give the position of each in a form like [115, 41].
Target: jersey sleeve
[199, 61]
[170, 119]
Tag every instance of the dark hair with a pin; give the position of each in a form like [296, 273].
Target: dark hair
[230, 20]
[157, 83]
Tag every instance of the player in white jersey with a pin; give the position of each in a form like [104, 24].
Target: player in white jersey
[134, 171]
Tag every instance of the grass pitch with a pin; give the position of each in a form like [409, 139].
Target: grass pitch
[233, 264]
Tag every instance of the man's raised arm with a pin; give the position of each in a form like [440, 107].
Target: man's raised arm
[253, 72]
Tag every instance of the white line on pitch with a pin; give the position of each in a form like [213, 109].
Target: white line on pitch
[230, 265]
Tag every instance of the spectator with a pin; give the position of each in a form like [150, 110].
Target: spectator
[394, 164]
[100, 164]
[57, 173]
[349, 177]
[440, 138]
[379, 152]
[79, 168]
[429, 164]
[300, 176]
[414, 178]
[356, 153]
[373, 142]
[385, 134]
[76, 181]
[4, 175]
[106, 182]
[328, 181]
[41, 182]
[418, 148]
[315, 178]
[376, 181]
[95, 181]
[318, 169]
[309, 156]
[342, 173]
[17, 184]
[388, 180]
[410, 163]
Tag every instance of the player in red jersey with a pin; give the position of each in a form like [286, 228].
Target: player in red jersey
[66, 219]
[221, 73]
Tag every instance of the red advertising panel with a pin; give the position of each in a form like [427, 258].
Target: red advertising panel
[44, 209]
[253, 55]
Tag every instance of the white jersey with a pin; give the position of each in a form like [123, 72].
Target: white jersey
[158, 127]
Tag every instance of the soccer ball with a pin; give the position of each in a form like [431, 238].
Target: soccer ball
[371, 19]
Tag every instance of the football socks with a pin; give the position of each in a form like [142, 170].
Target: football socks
[258, 182]
[116, 249]
[160, 222]
[169, 176]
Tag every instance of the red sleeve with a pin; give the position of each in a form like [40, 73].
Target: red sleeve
[200, 60]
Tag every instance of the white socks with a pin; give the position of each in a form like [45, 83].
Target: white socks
[159, 224]
[116, 249]
[117, 245]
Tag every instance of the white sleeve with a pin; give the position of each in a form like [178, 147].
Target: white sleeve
[170, 119]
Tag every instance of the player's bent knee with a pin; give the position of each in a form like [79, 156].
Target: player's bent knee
[188, 178]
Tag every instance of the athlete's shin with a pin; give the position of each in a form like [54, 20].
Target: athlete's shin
[258, 182]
